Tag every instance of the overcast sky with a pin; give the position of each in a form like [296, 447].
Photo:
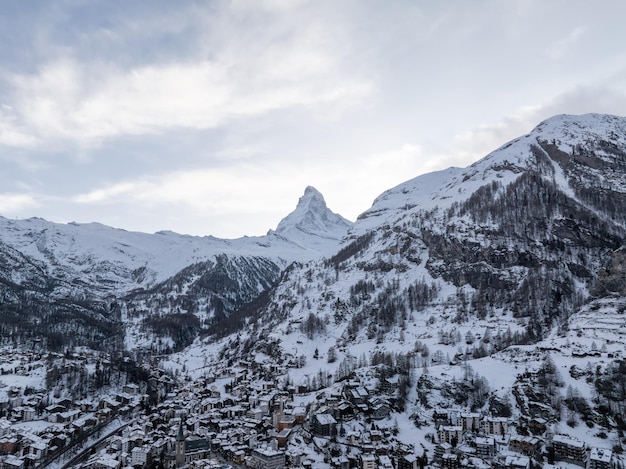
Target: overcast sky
[211, 117]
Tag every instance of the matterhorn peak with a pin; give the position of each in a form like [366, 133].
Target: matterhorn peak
[313, 218]
[312, 200]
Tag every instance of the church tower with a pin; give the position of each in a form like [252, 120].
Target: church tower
[180, 446]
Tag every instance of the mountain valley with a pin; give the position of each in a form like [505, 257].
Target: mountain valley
[472, 317]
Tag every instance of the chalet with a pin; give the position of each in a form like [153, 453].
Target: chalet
[357, 395]
[538, 426]
[109, 403]
[102, 462]
[526, 445]
[441, 416]
[69, 416]
[380, 410]
[35, 450]
[341, 462]
[353, 438]
[449, 461]
[389, 385]
[384, 462]
[67, 403]
[408, 461]
[131, 389]
[13, 462]
[516, 462]
[343, 410]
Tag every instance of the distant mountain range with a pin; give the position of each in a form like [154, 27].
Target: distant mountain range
[68, 281]
[523, 238]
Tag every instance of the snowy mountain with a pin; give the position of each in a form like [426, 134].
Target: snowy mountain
[473, 315]
[511, 247]
[311, 220]
[201, 277]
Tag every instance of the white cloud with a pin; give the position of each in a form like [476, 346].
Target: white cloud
[11, 203]
[10, 132]
[245, 190]
[55, 104]
[297, 66]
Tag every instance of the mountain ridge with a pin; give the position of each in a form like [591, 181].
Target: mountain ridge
[90, 267]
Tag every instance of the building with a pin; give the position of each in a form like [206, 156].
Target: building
[324, 424]
[13, 462]
[538, 426]
[180, 446]
[450, 434]
[485, 447]
[266, 458]
[495, 425]
[368, 461]
[527, 445]
[570, 449]
[600, 458]
[449, 461]
[470, 421]
[139, 456]
[384, 462]
[408, 461]
[517, 462]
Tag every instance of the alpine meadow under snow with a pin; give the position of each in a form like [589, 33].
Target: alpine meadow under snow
[472, 317]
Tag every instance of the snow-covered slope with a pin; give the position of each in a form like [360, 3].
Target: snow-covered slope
[471, 288]
[585, 150]
[515, 241]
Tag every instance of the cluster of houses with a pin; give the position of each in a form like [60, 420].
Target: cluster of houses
[472, 440]
[250, 422]
[33, 439]
[236, 418]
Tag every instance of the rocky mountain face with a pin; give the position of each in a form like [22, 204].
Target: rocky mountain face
[92, 284]
[515, 243]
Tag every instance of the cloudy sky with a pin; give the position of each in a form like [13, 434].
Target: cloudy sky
[211, 117]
